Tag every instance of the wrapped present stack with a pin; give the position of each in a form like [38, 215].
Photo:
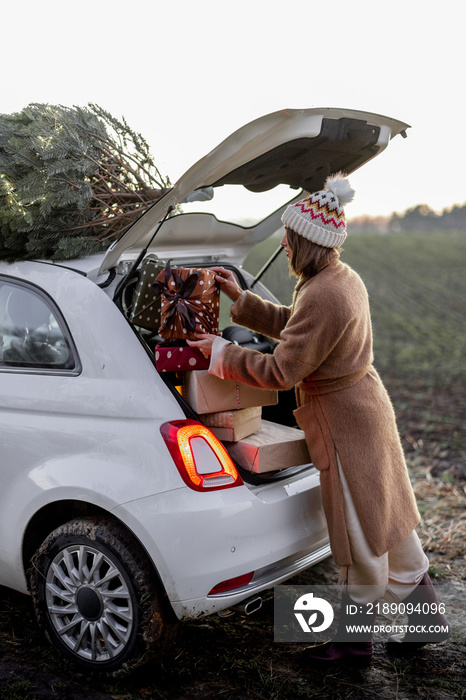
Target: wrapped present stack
[189, 304]
[233, 411]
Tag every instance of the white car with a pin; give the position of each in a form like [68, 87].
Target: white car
[99, 520]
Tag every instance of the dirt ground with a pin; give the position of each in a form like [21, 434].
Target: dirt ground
[237, 659]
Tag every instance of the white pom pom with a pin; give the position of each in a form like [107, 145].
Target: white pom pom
[339, 185]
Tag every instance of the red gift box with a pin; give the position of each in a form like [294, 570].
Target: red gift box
[189, 302]
[179, 358]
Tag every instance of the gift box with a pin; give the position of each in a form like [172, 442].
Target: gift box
[145, 311]
[190, 302]
[272, 448]
[207, 393]
[179, 358]
[234, 425]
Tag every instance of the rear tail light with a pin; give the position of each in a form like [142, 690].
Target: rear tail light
[201, 459]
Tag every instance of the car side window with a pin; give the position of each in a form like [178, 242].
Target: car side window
[30, 333]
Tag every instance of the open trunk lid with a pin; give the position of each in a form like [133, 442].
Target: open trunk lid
[293, 148]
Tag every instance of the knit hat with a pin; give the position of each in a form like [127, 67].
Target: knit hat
[320, 217]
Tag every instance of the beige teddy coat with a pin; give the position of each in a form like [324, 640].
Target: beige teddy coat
[325, 351]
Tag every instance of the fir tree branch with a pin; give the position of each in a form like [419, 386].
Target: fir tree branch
[71, 184]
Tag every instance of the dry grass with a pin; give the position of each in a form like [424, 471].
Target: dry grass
[443, 526]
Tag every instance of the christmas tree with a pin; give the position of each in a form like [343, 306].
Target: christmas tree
[72, 180]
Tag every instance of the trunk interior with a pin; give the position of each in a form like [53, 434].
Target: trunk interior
[280, 414]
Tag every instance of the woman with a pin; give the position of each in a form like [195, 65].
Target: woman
[325, 351]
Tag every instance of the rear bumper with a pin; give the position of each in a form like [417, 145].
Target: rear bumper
[263, 579]
[196, 540]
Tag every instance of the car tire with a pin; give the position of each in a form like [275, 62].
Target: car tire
[97, 598]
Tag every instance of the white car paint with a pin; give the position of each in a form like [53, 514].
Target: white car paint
[94, 437]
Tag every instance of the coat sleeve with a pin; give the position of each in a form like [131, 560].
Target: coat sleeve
[312, 333]
[259, 315]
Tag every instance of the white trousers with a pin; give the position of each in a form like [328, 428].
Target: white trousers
[393, 575]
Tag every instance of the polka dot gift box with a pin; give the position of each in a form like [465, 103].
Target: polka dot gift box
[189, 302]
[145, 311]
[179, 358]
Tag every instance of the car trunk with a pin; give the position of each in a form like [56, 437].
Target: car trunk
[280, 414]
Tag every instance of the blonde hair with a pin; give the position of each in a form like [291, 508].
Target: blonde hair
[308, 258]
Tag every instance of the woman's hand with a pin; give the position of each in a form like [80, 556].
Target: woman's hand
[203, 342]
[228, 283]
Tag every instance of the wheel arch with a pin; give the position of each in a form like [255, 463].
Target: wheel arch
[151, 619]
[55, 514]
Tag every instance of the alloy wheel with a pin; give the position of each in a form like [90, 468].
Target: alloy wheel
[89, 603]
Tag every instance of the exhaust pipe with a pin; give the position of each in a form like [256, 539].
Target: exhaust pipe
[249, 606]
[246, 607]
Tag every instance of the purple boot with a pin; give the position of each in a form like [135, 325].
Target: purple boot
[346, 647]
[431, 625]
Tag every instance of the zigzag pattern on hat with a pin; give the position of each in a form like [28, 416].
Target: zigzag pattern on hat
[320, 216]
[322, 212]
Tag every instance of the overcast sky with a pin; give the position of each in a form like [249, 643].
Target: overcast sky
[186, 74]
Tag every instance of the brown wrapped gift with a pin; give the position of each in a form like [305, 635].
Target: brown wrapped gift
[189, 302]
[209, 394]
[272, 448]
[234, 425]
[145, 311]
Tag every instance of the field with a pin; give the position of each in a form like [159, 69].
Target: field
[417, 288]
